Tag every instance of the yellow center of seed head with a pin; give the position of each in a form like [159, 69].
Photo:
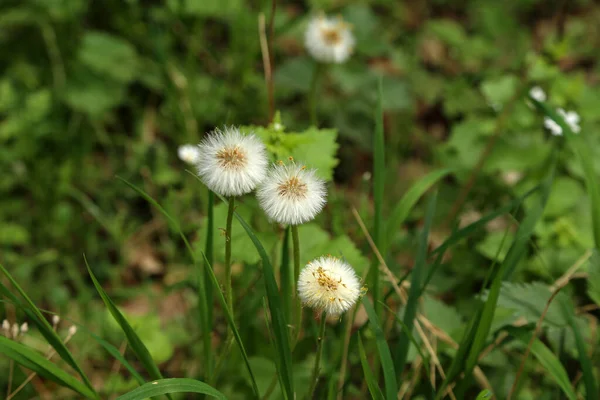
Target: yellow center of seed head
[331, 36]
[293, 188]
[231, 157]
[325, 281]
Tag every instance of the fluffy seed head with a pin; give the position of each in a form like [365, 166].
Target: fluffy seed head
[329, 40]
[291, 194]
[329, 284]
[231, 163]
[537, 93]
[188, 153]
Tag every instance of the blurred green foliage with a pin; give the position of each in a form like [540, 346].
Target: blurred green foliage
[93, 89]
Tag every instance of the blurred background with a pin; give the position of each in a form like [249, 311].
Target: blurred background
[94, 89]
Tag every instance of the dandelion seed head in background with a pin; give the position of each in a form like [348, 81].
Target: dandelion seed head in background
[329, 284]
[230, 163]
[329, 40]
[188, 153]
[537, 93]
[292, 194]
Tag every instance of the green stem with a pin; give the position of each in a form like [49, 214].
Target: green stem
[228, 292]
[320, 339]
[297, 302]
[312, 96]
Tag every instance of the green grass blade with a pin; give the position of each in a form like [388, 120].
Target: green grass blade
[389, 373]
[516, 252]
[286, 276]
[45, 328]
[408, 201]
[369, 377]
[591, 386]
[209, 250]
[173, 385]
[378, 194]
[231, 322]
[548, 360]
[280, 329]
[484, 395]
[34, 361]
[204, 296]
[113, 351]
[410, 311]
[583, 149]
[135, 343]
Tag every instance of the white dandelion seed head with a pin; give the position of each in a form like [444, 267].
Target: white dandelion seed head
[329, 284]
[537, 93]
[188, 153]
[231, 163]
[329, 40]
[291, 194]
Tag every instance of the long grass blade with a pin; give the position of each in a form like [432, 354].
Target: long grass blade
[516, 252]
[369, 377]
[45, 328]
[173, 385]
[591, 386]
[387, 364]
[34, 361]
[285, 274]
[410, 310]
[378, 194]
[135, 343]
[231, 322]
[280, 329]
[547, 360]
[408, 201]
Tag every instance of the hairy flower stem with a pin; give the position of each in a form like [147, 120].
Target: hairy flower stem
[228, 292]
[320, 339]
[312, 99]
[297, 302]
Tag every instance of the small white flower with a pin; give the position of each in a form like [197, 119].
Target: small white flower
[231, 163]
[329, 284]
[188, 153]
[537, 93]
[571, 118]
[6, 327]
[72, 330]
[55, 320]
[24, 328]
[15, 331]
[329, 40]
[291, 194]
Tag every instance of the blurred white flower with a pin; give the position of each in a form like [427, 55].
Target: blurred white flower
[231, 163]
[6, 327]
[55, 320]
[291, 194]
[329, 284]
[537, 93]
[571, 118]
[188, 153]
[15, 331]
[329, 40]
[24, 328]
[72, 330]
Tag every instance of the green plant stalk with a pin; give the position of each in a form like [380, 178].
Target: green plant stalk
[297, 302]
[208, 289]
[312, 96]
[320, 339]
[286, 275]
[228, 230]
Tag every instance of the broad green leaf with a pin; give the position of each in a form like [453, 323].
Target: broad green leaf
[34, 361]
[109, 55]
[173, 385]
